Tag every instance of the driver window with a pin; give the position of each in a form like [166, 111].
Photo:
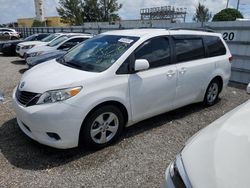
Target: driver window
[156, 51]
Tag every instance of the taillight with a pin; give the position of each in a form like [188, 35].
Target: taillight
[230, 59]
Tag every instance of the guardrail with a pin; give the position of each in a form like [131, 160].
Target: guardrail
[236, 34]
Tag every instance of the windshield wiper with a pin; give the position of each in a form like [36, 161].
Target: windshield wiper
[72, 64]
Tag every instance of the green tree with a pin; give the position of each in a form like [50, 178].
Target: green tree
[109, 10]
[202, 14]
[71, 11]
[91, 11]
[76, 12]
[228, 14]
[37, 23]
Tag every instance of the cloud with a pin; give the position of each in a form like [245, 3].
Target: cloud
[10, 11]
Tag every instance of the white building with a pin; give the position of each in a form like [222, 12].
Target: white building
[39, 10]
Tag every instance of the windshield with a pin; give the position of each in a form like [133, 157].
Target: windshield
[50, 38]
[57, 41]
[30, 38]
[99, 53]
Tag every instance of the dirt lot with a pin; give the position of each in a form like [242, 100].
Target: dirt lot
[139, 159]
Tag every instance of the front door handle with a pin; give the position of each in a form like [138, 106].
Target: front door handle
[170, 73]
[183, 70]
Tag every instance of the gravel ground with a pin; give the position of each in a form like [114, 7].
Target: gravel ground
[138, 159]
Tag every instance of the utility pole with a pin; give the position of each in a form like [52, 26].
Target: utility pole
[238, 4]
[227, 3]
[105, 10]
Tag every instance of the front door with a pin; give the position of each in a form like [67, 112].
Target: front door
[153, 91]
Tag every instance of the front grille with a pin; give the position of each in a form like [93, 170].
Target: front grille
[1, 47]
[17, 48]
[27, 98]
[26, 55]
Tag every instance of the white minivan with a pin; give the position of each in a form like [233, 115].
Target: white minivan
[116, 79]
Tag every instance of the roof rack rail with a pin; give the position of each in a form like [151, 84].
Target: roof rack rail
[205, 29]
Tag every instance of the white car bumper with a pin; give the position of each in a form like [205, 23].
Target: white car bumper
[168, 183]
[58, 118]
[21, 52]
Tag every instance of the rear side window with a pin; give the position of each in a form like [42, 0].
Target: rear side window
[156, 51]
[215, 46]
[188, 49]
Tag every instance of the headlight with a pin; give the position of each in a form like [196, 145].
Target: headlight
[178, 173]
[36, 54]
[58, 95]
[28, 47]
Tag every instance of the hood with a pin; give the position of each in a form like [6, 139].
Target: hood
[32, 43]
[219, 155]
[40, 48]
[11, 42]
[53, 75]
[45, 57]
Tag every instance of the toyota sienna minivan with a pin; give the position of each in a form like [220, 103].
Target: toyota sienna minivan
[116, 79]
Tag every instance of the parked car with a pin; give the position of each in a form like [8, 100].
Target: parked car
[116, 79]
[62, 43]
[217, 156]
[9, 47]
[23, 47]
[9, 34]
[33, 61]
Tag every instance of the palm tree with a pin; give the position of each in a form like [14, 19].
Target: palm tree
[202, 14]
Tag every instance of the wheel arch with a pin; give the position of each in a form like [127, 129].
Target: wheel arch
[220, 80]
[119, 105]
[217, 77]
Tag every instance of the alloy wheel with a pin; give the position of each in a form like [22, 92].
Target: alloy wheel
[104, 127]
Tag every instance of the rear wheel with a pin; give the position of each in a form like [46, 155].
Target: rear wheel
[102, 127]
[212, 93]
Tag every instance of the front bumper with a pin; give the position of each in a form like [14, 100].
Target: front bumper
[176, 176]
[21, 52]
[168, 183]
[60, 118]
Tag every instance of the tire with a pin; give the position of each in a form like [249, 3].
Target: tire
[212, 93]
[102, 127]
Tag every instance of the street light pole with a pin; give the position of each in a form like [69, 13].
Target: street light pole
[227, 3]
[238, 4]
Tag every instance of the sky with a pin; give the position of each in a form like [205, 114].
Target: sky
[11, 10]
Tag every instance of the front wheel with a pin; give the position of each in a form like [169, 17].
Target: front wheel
[212, 93]
[102, 127]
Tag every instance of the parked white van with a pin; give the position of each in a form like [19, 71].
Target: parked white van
[117, 79]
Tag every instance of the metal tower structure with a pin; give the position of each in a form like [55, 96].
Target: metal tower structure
[163, 13]
[39, 10]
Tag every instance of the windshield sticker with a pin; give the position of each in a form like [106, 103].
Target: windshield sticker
[125, 40]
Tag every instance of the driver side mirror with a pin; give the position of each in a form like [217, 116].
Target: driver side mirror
[141, 64]
[248, 88]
